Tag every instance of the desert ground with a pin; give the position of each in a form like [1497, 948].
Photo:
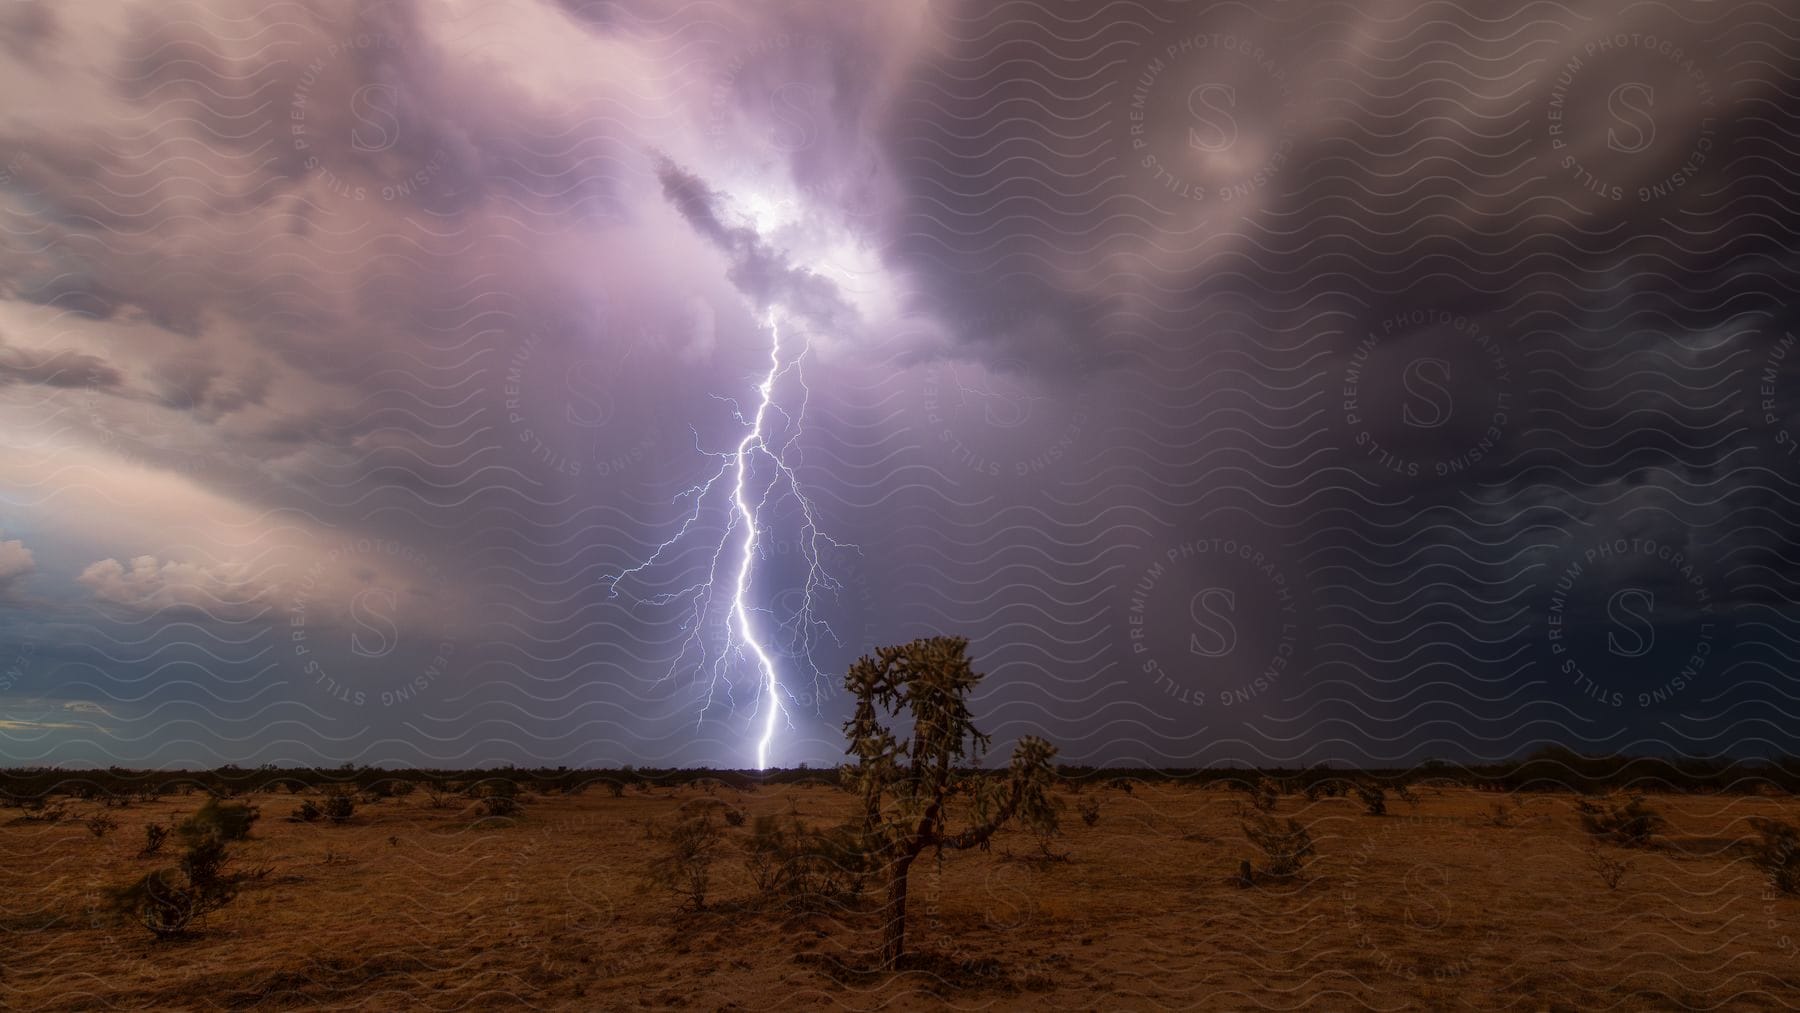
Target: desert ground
[1432, 906]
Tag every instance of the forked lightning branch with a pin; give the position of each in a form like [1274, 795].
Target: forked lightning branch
[726, 631]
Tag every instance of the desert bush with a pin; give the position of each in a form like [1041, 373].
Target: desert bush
[1610, 869]
[1089, 808]
[1404, 793]
[690, 844]
[101, 824]
[438, 798]
[734, 817]
[499, 806]
[1265, 794]
[800, 867]
[1324, 787]
[228, 821]
[1502, 814]
[168, 901]
[1286, 845]
[616, 788]
[339, 807]
[1372, 796]
[1120, 783]
[1628, 823]
[493, 787]
[307, 811]
[155, 836]
[1777, 854]
[403, 788]
[37, 810]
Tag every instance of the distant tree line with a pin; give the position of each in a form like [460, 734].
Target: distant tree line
[1547, 769]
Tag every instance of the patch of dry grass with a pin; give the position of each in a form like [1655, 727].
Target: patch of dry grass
[410, 906]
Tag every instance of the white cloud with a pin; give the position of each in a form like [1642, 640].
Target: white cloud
[16, 562]
[148, 584]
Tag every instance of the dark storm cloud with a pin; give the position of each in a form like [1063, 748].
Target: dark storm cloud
[1375, 323]
[758, 269]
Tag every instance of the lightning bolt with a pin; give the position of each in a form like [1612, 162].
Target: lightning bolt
[745, 508]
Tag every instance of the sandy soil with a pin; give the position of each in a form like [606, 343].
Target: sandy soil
[1429, 907]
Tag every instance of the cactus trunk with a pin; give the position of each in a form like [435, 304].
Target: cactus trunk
[893, 912]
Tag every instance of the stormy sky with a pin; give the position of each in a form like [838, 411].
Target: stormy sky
[1267, 383]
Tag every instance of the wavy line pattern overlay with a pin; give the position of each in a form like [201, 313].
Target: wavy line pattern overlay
[579, 384]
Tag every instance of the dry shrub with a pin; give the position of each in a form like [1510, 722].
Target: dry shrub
[169, 901]
[339, 807]
[155, 836]
[1264, 794]
[1089, 808]
[803, 868]
[1628, 823]
[1286, 846]
[1611, 870]
[499, 806]
[1373, 798]
[228, 821]
[690, 843]
[1777, 854]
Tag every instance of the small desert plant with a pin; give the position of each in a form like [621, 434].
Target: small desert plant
[339, 807]
[1373, 798]
[228, 821]
[1121, 783]
[39, 811]
[1629, 823]
[499, 806]
[307, 811]
[1502, 814]
[100, 824]
[494, 787]
[1778, 853]
[169, 900]
[1404, 793]
[155, 836]
[803, 868]
[1286, 845]
[1089, 808]
[616, 788]
[690, 843]
[734, 817]
[438, 798]
[1264, 794]
[1611, 870]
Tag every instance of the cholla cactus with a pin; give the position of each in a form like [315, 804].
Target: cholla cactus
[906, 787]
